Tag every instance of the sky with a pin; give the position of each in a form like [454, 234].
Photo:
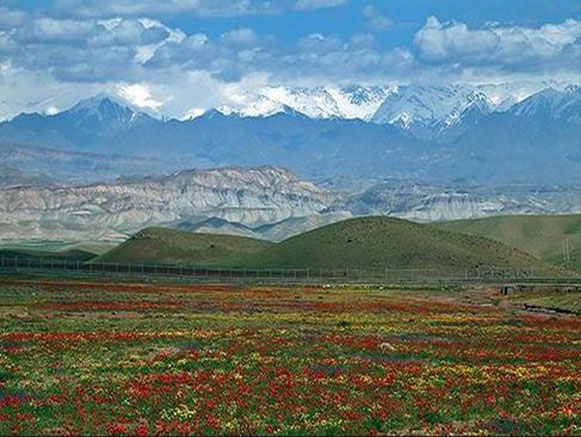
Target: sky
[180, 57]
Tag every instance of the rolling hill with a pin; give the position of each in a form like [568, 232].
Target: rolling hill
[66, 255]
[542, 236]
[369, 242]
[179, 247]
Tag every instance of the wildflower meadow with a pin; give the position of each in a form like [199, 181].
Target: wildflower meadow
[107, 358]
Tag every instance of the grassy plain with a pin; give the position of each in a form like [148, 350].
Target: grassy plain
[108, 358]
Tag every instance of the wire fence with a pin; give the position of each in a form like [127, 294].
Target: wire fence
[63, 267]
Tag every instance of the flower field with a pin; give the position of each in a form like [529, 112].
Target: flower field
[90, 358]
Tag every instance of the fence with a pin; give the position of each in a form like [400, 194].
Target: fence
[50, 266]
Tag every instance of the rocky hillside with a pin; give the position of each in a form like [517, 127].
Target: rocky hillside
[254, 196]
[422, 202]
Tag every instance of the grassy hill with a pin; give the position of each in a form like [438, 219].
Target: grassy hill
[388, 242]
[368, 242]
[68, 255]
[180, 247]
[542, 236]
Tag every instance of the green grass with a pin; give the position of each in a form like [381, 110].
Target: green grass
[180, 247]
[555, 300]
[59, 246]
[69, 255]
[541, 236]
[369, 242]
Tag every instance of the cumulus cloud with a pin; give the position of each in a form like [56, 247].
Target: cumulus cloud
[217, 8]
[125, 46]
[513, 47]
[241, 52]
[139, 94]
[154, 35]
[376, 20]
[50, 30]
[243, 36]
[10, 18]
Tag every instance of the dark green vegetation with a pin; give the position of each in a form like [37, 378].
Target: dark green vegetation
[180, 247]
[383, 241]
[369, 242]
[542, 236]
[68, 255]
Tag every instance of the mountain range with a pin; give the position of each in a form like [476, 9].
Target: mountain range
[291, 160]
[264, 202]
[447, 134]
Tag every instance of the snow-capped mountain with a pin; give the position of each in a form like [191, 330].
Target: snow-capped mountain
[444, 133]
[354, 102]
[425, 111]
[104, 109]
[81, 127]
[429, 111]
[551, 104]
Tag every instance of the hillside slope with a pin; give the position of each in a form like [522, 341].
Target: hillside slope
[179, 247]
[29, 254]
[370, 242]
[542, 236]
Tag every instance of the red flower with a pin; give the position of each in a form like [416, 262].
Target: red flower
[119, 428]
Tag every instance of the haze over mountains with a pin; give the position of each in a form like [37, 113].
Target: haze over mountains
[288, 160]
[447, 134]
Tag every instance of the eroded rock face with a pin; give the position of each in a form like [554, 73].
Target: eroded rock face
[252, 196]
[440, 203]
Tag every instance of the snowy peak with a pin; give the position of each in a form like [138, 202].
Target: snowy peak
[425, 105]
[261, 107]
[551, 104]
[355, 102]
[104, 108]
[425, 111]
[476, 106]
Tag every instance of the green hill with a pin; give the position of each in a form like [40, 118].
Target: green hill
[542, 236]
[67, 255]
[388, 242]
[180, 247]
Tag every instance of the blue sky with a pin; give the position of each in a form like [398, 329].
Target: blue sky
[174, 56]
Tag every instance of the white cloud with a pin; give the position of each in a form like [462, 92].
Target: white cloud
[508, 47]
[10, 18]
[376, 20]
[51, 110]
[209, 8]
[193, 113]
[167, 71]
[139, 94]
[50, 30]
[242, 36]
